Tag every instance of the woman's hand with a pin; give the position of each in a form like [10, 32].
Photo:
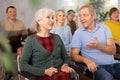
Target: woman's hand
[66, 68]
[51, 71]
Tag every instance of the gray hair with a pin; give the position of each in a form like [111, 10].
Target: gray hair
[41, 13]
[91, 9]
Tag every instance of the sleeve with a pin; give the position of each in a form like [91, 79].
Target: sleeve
[108, 32]
[76, 39]
[70, 38]
[26, 57]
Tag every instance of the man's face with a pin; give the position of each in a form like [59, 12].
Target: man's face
[11, 13]
[86, 18]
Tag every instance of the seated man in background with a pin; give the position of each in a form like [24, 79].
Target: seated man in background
[15, 28]
[114, 24]
[97, 47]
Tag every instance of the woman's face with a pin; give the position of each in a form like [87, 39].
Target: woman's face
[60, 17]
[115, 16]
[71, 16]
[46, 22]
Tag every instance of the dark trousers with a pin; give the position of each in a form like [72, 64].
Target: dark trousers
[106, 72]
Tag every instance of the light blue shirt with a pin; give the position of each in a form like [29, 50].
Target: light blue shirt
[65, 33]
[83, 36]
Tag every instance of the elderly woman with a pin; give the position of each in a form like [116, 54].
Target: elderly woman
[45, 50]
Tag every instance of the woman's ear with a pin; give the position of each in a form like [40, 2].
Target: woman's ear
[38, 21]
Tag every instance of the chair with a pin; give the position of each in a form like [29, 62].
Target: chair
[78, 67]
[20, 77]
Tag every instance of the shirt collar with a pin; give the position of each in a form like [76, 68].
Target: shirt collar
[96, 28]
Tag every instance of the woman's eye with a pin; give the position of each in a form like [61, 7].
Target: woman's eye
[48, 17]
[52, 17]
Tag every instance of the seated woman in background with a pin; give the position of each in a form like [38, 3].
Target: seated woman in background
[114, 25]
[45, 50]
[70, 20]
[62, 29]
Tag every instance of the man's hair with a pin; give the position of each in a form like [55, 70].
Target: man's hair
[91, 9]
[9, 7]
[70, 11]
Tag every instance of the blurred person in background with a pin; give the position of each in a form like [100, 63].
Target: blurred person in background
[114, 25]
[62, 29]
[15, 30]
[14, 27]
[70, 20]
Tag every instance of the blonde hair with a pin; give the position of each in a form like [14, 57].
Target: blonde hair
[56, 13]
[39, 15]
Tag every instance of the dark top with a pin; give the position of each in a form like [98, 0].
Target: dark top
[72, 26]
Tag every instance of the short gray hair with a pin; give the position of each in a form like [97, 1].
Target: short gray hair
[91, 9]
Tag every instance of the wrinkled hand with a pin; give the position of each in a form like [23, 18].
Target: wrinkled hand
[51, 71]
[93, 44]
[91, 65]
[67, 69]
